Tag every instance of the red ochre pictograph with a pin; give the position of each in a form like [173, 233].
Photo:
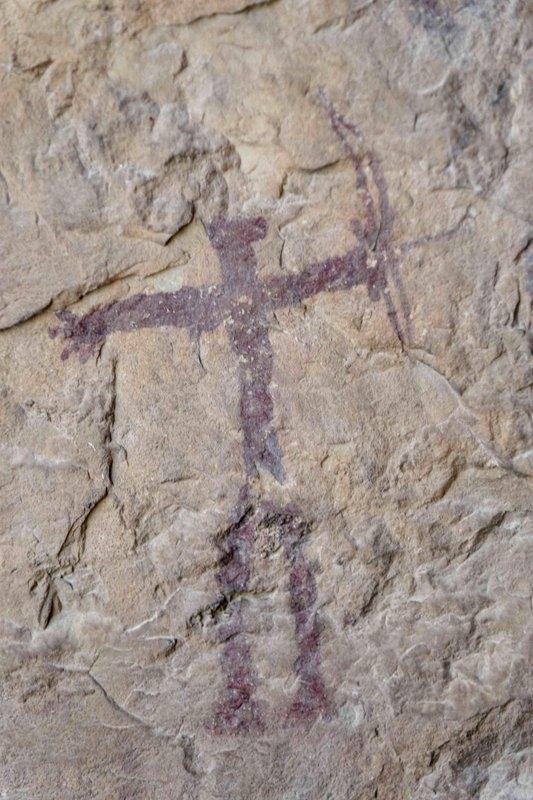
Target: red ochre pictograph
[243, 304]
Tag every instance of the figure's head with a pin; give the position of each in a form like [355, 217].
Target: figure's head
[233, 240]
[234, 234]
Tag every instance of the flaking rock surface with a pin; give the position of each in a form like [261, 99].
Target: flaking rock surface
[266, 283]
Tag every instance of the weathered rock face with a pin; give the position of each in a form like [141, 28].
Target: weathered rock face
[266, 366]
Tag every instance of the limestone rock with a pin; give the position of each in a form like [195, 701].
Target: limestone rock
[266, 286]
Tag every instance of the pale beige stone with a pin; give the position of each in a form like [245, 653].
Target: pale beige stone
[126, 128]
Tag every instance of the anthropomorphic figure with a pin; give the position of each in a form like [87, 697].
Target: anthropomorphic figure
[244, 304]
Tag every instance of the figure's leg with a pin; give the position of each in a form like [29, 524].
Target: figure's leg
[237, 712]
[311, 699]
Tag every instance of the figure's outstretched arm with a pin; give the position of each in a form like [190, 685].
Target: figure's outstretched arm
[330, 275]
[372, 258]
[195, 309]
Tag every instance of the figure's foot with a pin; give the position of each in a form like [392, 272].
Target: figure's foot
[310, 703]
[237, 715]
[237, 711]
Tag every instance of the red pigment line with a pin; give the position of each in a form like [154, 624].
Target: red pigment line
[386, 213]
[376, 231]
[368, 230]
[248, 332]
[232, 239]
[332, 275]
[237, 712]
[241, 297]
[249, 339]
[197, 310]
[311, 699]
[377, 283]
[449, 233]
[243, 303]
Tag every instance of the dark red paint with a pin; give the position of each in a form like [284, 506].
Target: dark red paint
[244, 304]
[311, 699]
[247, 326]
[237, 711]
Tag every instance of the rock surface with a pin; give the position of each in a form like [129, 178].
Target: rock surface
[266, 527]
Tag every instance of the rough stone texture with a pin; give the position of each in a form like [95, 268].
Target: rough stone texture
[266, 527]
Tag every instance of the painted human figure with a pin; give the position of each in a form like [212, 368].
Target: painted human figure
[243, 304]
